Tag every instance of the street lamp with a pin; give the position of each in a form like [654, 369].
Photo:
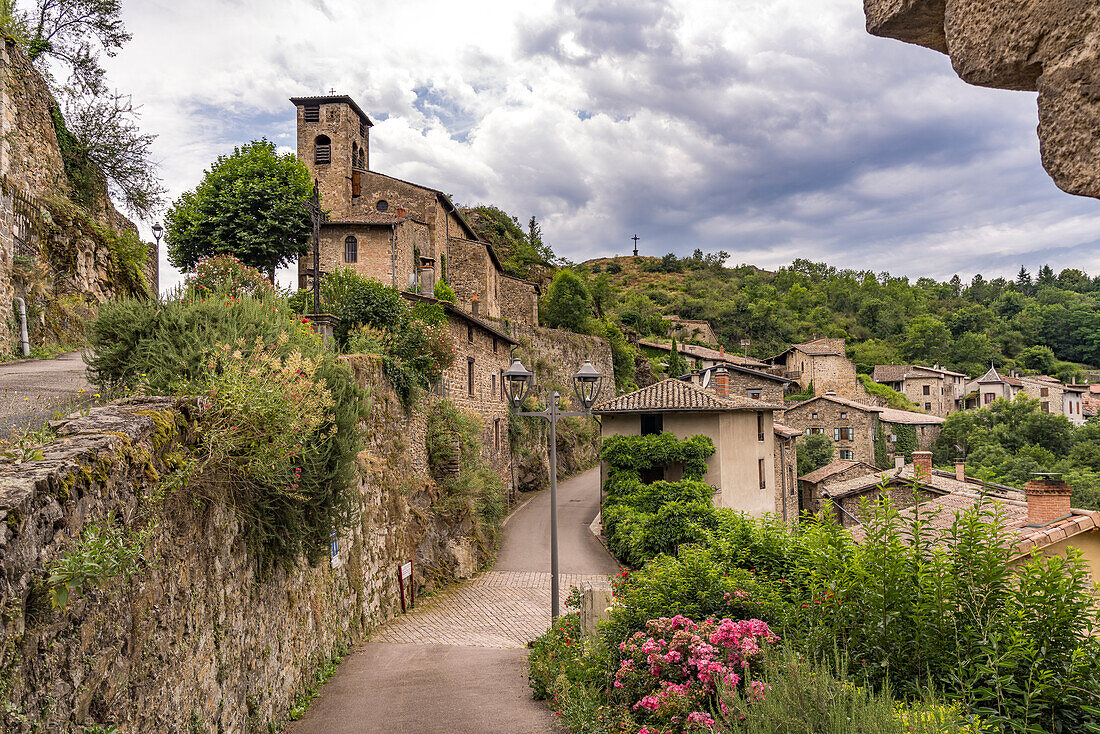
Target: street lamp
[157, 232]
[518, 381]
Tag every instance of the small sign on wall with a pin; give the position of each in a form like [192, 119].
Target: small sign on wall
[404, 576]
[335, 550]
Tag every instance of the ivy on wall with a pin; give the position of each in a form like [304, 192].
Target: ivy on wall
[907, 439]
[639, 453]
[882, 458]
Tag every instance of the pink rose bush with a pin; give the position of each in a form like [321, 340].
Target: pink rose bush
[670, 673]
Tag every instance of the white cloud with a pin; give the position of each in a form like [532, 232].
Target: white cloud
[772, 129]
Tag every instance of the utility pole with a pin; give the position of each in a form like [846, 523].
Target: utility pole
[317, 215]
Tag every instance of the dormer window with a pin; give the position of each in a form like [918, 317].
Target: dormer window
[312, 113]
[322, 150]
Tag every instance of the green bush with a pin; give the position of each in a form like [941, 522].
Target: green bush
[189, 344]
[813, 452]
[894, 399]
[443, 292]
[638, 453]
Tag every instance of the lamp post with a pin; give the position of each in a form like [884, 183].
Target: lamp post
[157, 232]
[518, 382]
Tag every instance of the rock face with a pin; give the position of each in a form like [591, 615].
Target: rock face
[1048, 46]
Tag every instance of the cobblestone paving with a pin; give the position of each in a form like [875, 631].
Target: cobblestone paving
[499, 609]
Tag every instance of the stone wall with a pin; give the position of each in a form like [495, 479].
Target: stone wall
[825, 416]
[519, 301]
[785, 462]
[200, 640]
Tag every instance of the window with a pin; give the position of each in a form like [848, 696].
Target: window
[987, 398]
[814, 414]
[754, 393]
[759, 425]
[356, 185]
[927, 390]
[760, 470]
[496, 433]
[494, 345]
[470, 376]
[816, 431]
[351, 249]
[470, 334]
[502, 384]
[652, 423]
[843, 434]
[1044, 392]
[492, 384]
[312, 113]
[928, 406]
[382, 205]
[846, 454]
[322, 150]
[874, 433]
[843, 414]
[1046, 407]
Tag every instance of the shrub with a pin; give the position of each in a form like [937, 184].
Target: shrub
[226, 274]
[568, 303]
[814, 452]
[443, 292]
[248, 409]
[104, 551]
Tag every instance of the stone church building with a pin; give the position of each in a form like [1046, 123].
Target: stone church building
[400, 233]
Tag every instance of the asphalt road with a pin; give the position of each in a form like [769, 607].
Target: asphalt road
[390, 688]
[31, 391]
[526, 544]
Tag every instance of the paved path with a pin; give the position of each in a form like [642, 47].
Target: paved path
[31, 391]
[457, 662]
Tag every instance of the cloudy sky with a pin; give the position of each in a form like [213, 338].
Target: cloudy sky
[772, 129]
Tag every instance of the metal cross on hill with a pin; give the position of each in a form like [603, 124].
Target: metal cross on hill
[635, 238]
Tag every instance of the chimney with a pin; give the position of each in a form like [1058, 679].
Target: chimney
[1048, 499]
[722, 382]
[474, 305]
[960, 470]
[899, 462]
[922, 463]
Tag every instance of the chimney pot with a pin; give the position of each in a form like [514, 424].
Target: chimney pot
[474, 305]
[960, 470]
[899, 462]
[722, 382]
[922, 463]
[1048, 499]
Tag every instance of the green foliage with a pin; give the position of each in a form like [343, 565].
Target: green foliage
[677, 365]
[1009, 441]
[801, 396]
[522, 253]
[894, 399]
[226, 274]
[568, 304]
[249, 204]
[104, 552]
[623, 355]
[454, 440]
[906, 442]
[85, 180]
[638, 453]
[444, 292]
[814, 452]
[178, 346]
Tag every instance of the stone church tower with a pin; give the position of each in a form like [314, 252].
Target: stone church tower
[334, 143]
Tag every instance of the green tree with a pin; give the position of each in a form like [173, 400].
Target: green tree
[814, 452]
[677, 365]
[568, 303]
[249, 204]
[927, 339]
[1038, 359]
[75, 33]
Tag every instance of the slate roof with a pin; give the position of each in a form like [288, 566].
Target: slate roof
[900, 372]
[746, 371]
[817, 348]
[908, 417]
[839, 466]
[333, 99]
[694, 350]
[678, 396]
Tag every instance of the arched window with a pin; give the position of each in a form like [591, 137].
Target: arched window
[322, 150]
[351, 249]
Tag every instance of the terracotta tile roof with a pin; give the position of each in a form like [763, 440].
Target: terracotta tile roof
[786, 431]
[993, 376]
[745, 371]
[957, 497]
[694, 350]
[936, 482]
[908, 417]
[840, 401]
[833, 468]
[678, 396]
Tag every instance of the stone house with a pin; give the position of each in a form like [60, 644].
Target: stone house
[701, 358]
[397, 232]
[1053, 395]
[938, 391]
[1090, 401]
[822, 362]
[475, 379]
[925, 430]
[993, 386]
[853, 427]
[748, 449]
[811, 485]
[698, 330]
[744, 381]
